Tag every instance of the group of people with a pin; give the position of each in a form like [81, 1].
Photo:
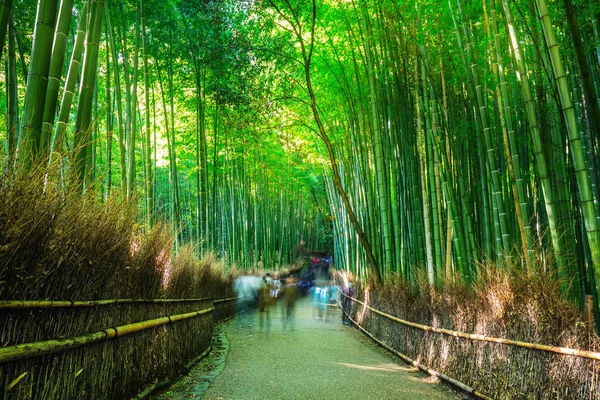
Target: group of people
[325, 297]
[270, 291]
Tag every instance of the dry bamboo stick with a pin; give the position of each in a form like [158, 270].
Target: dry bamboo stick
[225, 300]
[27, 304]
[484, 338]
[28, 350]
[415, 363]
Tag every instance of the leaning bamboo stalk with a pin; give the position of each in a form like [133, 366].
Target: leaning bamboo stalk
[28, 304]
[535, 346]
[28, 350]
[417, 364]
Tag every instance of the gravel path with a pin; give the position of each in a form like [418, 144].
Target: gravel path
[318, 359]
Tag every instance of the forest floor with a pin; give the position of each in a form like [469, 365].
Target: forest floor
[317, 358]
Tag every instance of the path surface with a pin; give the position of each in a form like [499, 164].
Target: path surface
[318, 359]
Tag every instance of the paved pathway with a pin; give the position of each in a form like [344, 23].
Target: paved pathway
[318, 359]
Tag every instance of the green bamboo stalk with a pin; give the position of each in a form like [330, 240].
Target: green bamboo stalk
[5, 12]
[37, 82]
[586, 197]
[560, 248]
[12, 119]
[380, 178]
[83, 121]
[149, 182]
[133, 97]
[513, 157]
[109, 118]
[55, 74]
[69, 88]
[585, 74]
[118, 100]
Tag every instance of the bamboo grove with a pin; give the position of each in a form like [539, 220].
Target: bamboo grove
[425, 136]
[159, 102]
[457, 133]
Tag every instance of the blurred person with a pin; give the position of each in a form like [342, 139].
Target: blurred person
[347, 292]
[290, 294]
[264, 303]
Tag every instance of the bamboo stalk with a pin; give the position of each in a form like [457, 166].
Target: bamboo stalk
[415, 363]
[535, 346]
[225, 300]
[28, 350]
[28, 304]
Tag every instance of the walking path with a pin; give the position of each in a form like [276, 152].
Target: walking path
[319, 358]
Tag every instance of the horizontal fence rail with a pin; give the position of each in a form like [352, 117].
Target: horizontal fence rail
[415, 363]
[472, 336]
[225, 300]
[40, 304]
[99, 342]
[28, 350]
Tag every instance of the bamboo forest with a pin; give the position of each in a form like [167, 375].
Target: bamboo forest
[255, 199]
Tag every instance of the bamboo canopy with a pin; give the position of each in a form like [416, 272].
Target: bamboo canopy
[536, 346]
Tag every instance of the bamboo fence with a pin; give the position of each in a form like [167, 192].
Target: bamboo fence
[119, 359]
[40, 304]
[415, 363]
[472, 336]
[515, 370]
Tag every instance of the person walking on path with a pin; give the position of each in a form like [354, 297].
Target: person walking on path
[264, 303]
[290, 293]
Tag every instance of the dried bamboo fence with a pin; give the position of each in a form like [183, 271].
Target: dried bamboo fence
[48, 352]
[501, 368]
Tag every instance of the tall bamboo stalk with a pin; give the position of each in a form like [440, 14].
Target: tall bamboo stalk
[55, 74]
[586, 198]
[37, 81]
[69, 88]
[84, 121]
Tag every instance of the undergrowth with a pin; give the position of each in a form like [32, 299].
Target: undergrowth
[502, 303]
[59, 243]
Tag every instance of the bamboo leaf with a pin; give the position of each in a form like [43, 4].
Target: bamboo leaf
[17, 380]
[78, 372]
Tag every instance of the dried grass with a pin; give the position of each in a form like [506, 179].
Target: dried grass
[57, 244]
[518, 306]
